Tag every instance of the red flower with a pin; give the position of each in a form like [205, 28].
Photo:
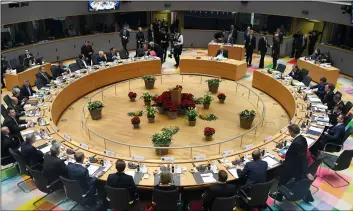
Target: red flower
[209, 131]
[188, 104]
[135, 120]
[159, 101]
[132, 94]
[167, 104]
[187, 96]
[166, 95]
[221, 96]
[173, 108]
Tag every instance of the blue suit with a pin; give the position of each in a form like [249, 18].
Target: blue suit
[31, 155]
[110, 56]
[335, 134]
[254, 172]
[80, 173]
[320, 92]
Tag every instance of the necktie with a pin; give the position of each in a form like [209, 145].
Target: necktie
[15, 120]
[29, 91]
[45, 76]
[125, 33]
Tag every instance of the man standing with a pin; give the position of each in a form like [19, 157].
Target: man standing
[275, 51]
[164, 43]
[8, 142]
[124, 35]
[87, 50]
[140, 39]
[304, 44]
[250, 45]
[232, 38]
[313, 37]
[178, 47]
[246, 33]
[297, 44]
[262, 48]
[164, 25]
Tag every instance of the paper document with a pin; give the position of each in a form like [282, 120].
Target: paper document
[297, 83]
[92, 169]
[270, 161]
[310, 141]
[131, 173]
[234, 172]
[323, 119]
[316, 129]
[27, 132]
[208, 178]
[45, 149]
[314, 99]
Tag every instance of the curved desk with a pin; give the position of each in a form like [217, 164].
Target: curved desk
[236, 52]
[230, 69]
[101, 78]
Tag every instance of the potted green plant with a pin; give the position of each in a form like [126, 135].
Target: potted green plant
[208, 132]
[132, 96]
[95, 109]
[147, 98]
[191, 116]
[150, 112]
[213, 85]
[221, 97]
[135, 121]
[162, 139]
[207, 99]
[246, 118]
[149, 81]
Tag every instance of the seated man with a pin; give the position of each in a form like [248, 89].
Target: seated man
[81, 62]
[101, 57]
[328, 97]
[334, 114]
[53, 167]
[15, 124]
[30, 154]
[112, 55]
[16, 92]
[337, 99]
[254, 171]
[20, 111]
[122, 180]
[296, 74]
[77, 171]
[157, 49]
[58, 70]
[320, 92]
[221, 53]
[222, 189]
[7, 143]
[26, 90]
[43, 76]
[219, 36]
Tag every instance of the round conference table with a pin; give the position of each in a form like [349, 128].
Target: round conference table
[60, 99]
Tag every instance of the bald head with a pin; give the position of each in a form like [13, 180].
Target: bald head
[256, 155]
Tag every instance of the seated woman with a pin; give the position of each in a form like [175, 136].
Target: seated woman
[165, 181]
[296, 74]
[101, 57]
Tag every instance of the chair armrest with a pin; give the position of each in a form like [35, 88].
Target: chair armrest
[339, 145]
[35, 165]
[51, 184]
[84, 195]
[286, 189]
[6, 157]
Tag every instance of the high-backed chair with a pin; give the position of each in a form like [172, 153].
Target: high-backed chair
[281, 68]
[347, 107]
[336, 147]
[165, 199]
[256, 195]
[73, 67]
[119, 198]
[305, 72]
[224, 203]
[306, 80]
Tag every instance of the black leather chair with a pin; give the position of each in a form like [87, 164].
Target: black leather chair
[349, 118]
[338, 163]
[165, 199]
[256, 196]
[347, 107]
[75, 193]
[43, 185]
[295, 191]
[119, 198]
[4, 112]
[7, 100]
[23, 169]
[73, 67]
[224, 203]
[313, 170]
[306, 80]
[336, 147]
[305, 72]
[15, 64]
[39, 83]
[281, 68]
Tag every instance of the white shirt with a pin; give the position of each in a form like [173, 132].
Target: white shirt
[180, 40]
[84, 62]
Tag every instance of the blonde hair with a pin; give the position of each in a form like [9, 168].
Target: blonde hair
[165, 178]
[101, 53]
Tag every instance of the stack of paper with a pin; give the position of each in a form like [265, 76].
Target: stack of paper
[323, 119]
[298, 83]
[45, 149]
[314, 100]
[208, 178]
[309, 140]
[315, 130]
[270, 161]
[234, 172]
[131, 173]
[92, 169]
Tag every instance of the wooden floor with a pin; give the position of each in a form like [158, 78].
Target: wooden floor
[116, 125]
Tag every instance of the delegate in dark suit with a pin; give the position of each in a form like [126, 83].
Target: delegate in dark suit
[57, 71]
[110, 56]
[31, 155]
[13, 123]
[254, 172]
[304, 44]
[53, 167]
[335, 134]
[140, 39]
[223, 52]
[164, 37]
[250, 45]
[275, 52]
[150, 35]
[297, 75]
[328, 100]
[77, 172]
[217, 190]
[26, 91]
[81, 64]
[87, 51]
[124, 35]
[122, 180]
[262, 48]
[8, 143]
[320, 92]
[44, 77]
[233, 36]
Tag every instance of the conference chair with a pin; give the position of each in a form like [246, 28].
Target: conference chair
[43, 185]
[23, 169]
[119, 198]
[73, 67]
[74, 192]
[15, 64]
[336, 147]
[4, 112]
[313, 170]
[338, 163]
[295, 191]
[348, 107]
[256, 195]
[349, 118]
[281, 68]
[165, 199]
[39, 83]
[8, 100]
[306, 80]
[224, 203]
[305, 72]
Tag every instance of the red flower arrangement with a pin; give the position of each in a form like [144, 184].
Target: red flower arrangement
[177, 87]
[187, 96]
[221, 96]
[135, 120]
[209, 131]
[187, 104]
[132, 95]
[173, 108]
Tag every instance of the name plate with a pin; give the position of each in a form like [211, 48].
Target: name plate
[109, 153]
[171, 159]
[248, 147]
[84, 146]
[199, 157]
[283, 129]
[67, 137]
[138, 157]
[267, 139]
[227, 152]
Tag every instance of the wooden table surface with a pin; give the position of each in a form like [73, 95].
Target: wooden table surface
[236, 52]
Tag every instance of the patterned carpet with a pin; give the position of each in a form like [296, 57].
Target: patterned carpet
[327, 197]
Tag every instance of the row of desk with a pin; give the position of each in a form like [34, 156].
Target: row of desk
[56, 104]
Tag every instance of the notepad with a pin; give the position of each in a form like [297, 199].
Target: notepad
[297, 83]
[310, 141]
[45, 149]
[271, 162]
[131, 173]
[323, 119]
[92, 169]
[208, 178]
[314, 99]
[234, 172]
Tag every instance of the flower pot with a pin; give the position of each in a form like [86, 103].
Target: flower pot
[206, 106]
[246, 123]
[96, 114]
[208, 138]
[175, 96]
[149, 84]
[213, 88]
[221, 100]
[147, 103]
[161, 152]
[161, 110]
[136, 125]
[192, 123]
[151, 120]
[132, 99]
[172, 114]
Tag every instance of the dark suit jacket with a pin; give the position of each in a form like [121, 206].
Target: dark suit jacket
[254, 171]
[328, 99]
[53, 167]
[297, 41]
[217, 190]
[122, 180]
[295, 164]
[149, 34]
[14, 127]
[225, 53]
[41, 77]
[159, 50]
[78, 172]
[250, 44]
[110, 56]
[31, 155]
[80, 64]
[320, 90]
[296, 75]
[85, 50]
[335, 134]
[340, 106]
[100, 59]
[140, 37]
[234, 34]
[24, 91]
[57, 71]
[122, 34]
[262, 45]
[275, 48]
[280, 37]
[8, 143]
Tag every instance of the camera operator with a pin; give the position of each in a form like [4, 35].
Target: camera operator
[313, 37]
[178, 46]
